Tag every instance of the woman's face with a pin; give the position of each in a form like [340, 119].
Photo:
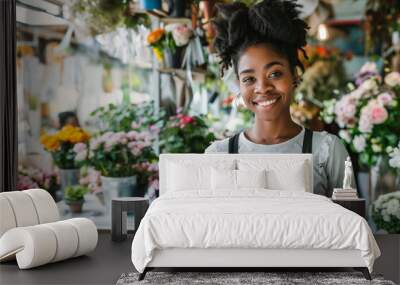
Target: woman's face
[266, 81]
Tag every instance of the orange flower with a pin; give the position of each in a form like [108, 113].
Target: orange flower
[155, 36]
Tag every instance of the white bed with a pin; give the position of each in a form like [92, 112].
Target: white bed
[201, 220]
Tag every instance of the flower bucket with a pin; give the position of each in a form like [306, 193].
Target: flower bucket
[114, 187]
[68, 177]
[384, 179]
[150, 4]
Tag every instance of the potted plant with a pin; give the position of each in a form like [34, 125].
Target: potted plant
[185, 134]
[74, 197]
[115, 155]
[64, 147]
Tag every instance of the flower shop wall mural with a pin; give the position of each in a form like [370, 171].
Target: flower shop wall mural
[117, 83]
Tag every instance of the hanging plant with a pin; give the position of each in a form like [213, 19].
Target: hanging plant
[104, 16]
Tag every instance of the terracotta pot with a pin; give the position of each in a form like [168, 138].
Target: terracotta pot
[75, 206]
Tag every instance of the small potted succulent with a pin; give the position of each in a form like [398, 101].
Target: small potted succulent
[74, 197]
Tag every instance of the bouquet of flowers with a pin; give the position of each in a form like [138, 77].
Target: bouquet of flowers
[30, 177]
[369, 115]
[173, 36]
[386, 212]
[63, 145]
[116, 154]
[185, 134]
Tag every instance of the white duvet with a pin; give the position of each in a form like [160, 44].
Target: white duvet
[250, 219]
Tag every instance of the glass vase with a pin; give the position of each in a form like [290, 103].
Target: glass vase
[383, 179]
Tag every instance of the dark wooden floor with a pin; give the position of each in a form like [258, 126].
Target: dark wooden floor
[102, 266]
[110, 259]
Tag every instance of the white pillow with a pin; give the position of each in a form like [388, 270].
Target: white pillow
[228, 179]
[183, 175]
[223, 179]
[183, 178]
[251, 178]
[282, 174]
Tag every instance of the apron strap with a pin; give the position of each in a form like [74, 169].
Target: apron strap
[307, 141]
[234, 144]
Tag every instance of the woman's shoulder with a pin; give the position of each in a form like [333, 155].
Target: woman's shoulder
[326, 145]
[218, 146]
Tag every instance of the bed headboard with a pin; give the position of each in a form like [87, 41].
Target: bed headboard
[213, 159]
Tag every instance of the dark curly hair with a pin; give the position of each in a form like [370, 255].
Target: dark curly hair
[272, 22]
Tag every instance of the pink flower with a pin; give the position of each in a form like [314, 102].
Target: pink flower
[155, 129]
[135, 125]
[385, 98]
[79, 147]
[379, 114]
[132, 135]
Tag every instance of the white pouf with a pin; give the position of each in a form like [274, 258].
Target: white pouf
[31, 233]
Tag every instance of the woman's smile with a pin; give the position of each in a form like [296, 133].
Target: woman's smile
[265, 103]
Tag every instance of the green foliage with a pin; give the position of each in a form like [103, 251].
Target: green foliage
[75, 192]
[103, 16]
[65, 157]
[185, 134]
[119, 118]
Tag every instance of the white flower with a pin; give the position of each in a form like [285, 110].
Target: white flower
[182, 35]
[368, 85]
[359, 143]
[345, 135]
[393, 207]
[376, 148]
[80, 156]
[392, 79]
[389, 149]
[394, 161]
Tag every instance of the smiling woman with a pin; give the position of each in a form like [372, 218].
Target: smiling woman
[262, 43]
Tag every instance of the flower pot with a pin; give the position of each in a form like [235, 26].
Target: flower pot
[173, 60]
[150, 4]
[68, 177]
[176, 8]
[75, 206]
[114, 187]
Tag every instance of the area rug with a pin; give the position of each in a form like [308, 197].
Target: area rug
[243, 278]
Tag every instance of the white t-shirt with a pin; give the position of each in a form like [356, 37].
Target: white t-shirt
[329, 155]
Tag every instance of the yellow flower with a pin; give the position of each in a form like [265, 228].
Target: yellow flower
[158, 53]
[65, 133]
[50, 143]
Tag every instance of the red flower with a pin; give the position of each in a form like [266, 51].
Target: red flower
[186, 120]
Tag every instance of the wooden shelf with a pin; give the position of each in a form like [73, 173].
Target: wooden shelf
[197, 73]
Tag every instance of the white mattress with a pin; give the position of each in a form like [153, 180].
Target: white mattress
[253, 219]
